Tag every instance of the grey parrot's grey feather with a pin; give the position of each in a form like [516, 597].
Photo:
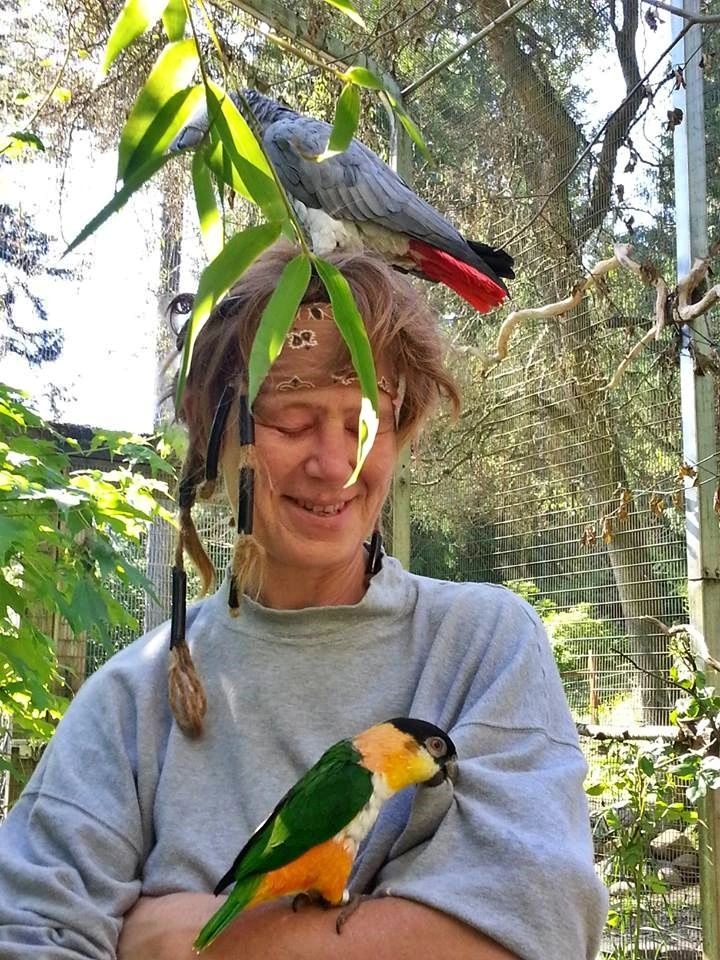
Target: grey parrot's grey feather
[353, 186]
[292, 141]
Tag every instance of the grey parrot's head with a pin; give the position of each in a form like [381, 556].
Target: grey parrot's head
[266, 109]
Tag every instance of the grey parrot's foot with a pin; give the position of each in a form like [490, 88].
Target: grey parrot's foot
[309, 897]
[348, 910]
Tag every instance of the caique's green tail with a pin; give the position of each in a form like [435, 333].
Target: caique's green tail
[239, 898]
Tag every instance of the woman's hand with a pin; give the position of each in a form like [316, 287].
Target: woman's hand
[163, 928]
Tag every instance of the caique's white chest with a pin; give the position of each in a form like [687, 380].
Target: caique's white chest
[358, 828]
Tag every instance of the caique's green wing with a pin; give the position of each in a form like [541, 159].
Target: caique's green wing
[321, 803]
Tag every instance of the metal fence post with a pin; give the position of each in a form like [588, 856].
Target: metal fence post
[698, 426]
[401, 160]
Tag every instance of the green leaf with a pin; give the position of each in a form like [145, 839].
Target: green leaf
[162, 108]
[130, 186]
[646, 764]
[364, 78]
[225, 173]
[349, 10]
[347, 115]
[87, 607]
[13, 144]
[415, 135]
[164, 127]
[244, 152]
[211, 225]
[174, 19]
[135, 18]
[595, 789]
[409, 125]
[217, 278]
[13, 533]
[351, 326]
[276, 320]
[62, 95]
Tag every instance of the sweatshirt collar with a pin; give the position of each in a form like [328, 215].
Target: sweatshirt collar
[388, 596]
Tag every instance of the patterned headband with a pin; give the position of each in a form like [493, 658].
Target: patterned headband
[315, 355]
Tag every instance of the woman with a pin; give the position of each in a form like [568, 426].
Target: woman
[135, 813]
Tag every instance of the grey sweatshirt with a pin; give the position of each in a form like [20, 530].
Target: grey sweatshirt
[122, 804]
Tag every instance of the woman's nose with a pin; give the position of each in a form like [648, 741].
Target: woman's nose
[332, 458]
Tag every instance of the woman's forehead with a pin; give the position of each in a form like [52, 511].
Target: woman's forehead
[335, 397]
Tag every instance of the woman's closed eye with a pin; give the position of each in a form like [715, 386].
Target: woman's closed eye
[292, 429]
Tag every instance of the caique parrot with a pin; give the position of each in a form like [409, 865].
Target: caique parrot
[309, 842]
[354, 201]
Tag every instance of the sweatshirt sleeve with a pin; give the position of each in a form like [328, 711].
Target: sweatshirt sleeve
[71, 848]
[511, 852]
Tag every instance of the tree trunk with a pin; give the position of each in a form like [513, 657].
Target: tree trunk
[159, 547]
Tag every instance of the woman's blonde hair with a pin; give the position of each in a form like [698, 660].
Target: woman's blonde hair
[401, 327]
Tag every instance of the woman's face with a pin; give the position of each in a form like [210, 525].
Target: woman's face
[306, 441]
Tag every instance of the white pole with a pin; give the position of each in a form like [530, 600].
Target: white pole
[698, 424]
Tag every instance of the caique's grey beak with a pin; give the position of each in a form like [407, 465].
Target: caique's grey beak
[448, 772]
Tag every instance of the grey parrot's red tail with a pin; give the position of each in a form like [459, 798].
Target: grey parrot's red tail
[479, 289]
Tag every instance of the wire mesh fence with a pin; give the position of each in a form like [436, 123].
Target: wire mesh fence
[569, 493]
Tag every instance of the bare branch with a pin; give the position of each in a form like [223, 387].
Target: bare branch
[685, 311]
[513, 320]
[636, 732]
[692, 18]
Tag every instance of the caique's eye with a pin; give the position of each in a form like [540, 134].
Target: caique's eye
[436, 746]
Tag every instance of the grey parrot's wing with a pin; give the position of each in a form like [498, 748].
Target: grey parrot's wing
[355, 185]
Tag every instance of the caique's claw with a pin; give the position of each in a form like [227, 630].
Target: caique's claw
[348, 910]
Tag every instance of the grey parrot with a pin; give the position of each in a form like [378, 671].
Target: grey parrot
[354, 200]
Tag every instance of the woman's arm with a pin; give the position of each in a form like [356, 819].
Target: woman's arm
[388, 927]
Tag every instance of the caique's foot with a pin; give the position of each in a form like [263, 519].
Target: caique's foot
[309, 897]
[348, 910]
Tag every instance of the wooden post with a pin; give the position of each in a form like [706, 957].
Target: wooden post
[699, 431]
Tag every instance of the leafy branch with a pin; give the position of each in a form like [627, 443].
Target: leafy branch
[230, 155]
[63, 537]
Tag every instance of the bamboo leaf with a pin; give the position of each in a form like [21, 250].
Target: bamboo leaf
[221, 165]
[244, 152]
[349, 10]
[414, 133]
[217, 278]
[129, 187]
[347, 115]
[165, 126]
[363, 78]
[174, 19]
[409, 124]
[135, 18]
[162, 108]
[211, 225]
[13, 144]
[351, 326]
[276, 320]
